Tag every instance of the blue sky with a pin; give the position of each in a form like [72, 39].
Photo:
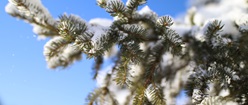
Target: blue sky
[24, 77]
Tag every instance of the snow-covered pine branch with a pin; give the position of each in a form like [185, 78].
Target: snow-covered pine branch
[203, 53]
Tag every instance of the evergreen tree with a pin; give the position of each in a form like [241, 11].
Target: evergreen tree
[204, 53]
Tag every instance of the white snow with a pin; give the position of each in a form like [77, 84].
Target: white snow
[121, 96]
[242, 21]
[98, 26]
[113, 51]
[119, 93]
[31, 10]
[97, 30]
[198, 3]
[102, 1]
[39, 30]
[10, 8]
[181, 29]
[70, 51]
[228, 11]
[51, 49]
[63, 57]
[148, 13]
[199, 33]
[224, 92]
[135, 70]
[38, 3]
[145, 10]
[30, 13]
[101, 21]
[100, 79]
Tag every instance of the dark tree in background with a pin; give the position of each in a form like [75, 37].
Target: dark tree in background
[204, 53]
